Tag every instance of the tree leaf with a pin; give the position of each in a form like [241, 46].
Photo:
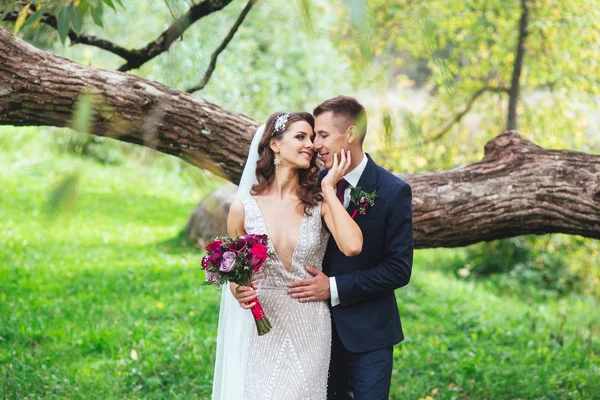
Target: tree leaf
[35, 17]
[306, 11]
[76, 19]
[97, 13]
[63, 196]
[82, 118]
[8, 9]
[110, 4]
[21, 18]
[64, 22]
[83, 7]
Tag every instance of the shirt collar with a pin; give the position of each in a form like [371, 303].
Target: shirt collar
[353, 176]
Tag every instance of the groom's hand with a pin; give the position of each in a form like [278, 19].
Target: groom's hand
[311, 289]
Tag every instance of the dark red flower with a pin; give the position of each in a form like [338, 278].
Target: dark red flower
[216, 257]
[214, 245]
[254, 238]
[238, 246]
[205, 262]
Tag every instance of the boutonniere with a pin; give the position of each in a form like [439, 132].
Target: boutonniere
[362, 200]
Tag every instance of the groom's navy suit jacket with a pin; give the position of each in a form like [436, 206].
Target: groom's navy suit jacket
[367, 317]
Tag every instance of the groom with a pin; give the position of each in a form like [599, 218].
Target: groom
[365, 319]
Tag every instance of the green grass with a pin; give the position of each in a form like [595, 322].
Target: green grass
[105, 301]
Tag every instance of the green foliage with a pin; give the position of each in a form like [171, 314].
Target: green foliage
[553, 264]
[109, 303]
[69, 14]
[430, 59]
[94, 147]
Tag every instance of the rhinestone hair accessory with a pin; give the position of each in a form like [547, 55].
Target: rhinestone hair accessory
[281, 122]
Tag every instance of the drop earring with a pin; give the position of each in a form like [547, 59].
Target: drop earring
[276, 161]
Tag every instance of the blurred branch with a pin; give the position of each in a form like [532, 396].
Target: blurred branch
[215, 55]
[137, 57]
[458, 117]
[83, 38]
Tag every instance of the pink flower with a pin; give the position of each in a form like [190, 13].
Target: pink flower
[227, 262]
[259, 255]
[211, 277]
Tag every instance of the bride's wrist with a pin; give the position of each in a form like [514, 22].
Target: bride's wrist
[328, 191]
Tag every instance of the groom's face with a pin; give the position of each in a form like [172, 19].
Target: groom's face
[329, 139]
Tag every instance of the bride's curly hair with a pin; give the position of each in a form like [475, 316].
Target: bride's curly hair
[309, 191]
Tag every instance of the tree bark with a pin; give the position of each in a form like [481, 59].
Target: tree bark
[39, 88]
[518, 188]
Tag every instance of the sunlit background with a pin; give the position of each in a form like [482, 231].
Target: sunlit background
[101, 296]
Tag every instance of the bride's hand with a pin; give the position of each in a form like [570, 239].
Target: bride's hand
[244, 295]
[338, 170]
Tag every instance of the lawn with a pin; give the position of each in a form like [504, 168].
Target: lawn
[105, 300]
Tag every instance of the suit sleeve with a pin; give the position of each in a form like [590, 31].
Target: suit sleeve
[395, 270]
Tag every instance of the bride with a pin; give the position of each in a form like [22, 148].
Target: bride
[279, 196]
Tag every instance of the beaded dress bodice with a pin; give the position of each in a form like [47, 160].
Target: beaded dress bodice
[291, 361]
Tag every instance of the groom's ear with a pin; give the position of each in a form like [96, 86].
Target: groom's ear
[352, 134]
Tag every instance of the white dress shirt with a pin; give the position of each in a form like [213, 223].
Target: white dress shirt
[352, 178]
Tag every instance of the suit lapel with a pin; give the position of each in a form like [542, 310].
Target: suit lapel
[368, 181]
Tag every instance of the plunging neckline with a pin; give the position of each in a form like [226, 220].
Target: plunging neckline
[271, 245]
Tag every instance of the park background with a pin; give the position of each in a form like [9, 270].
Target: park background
[101, 296]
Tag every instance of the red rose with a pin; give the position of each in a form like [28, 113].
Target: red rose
[205, 262]
[259, 256]
[214, 245]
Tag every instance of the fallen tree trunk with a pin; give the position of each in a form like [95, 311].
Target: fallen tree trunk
[39, 88]
[518, 188]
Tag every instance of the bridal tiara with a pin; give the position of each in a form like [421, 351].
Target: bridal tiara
[281, 122]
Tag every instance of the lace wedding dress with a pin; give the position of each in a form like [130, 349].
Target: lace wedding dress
[292, 360]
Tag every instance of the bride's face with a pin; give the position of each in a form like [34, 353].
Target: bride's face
[295, 147]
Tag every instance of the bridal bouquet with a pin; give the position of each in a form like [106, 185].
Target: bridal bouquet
[235, 259]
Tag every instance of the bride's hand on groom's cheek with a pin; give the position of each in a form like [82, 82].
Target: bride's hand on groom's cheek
[311, 289]
[339, 168]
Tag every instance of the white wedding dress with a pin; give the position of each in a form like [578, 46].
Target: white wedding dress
[292, 360]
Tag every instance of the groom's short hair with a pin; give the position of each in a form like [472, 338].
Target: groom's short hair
[347, 111]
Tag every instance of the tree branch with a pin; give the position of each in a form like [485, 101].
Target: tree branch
[164, 41]
[136, 58]
[83, 38]
[215, 55]
[458, 117]
[517, 188]
[513, 94]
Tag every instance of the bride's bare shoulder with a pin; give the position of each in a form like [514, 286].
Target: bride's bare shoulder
[236, 208]
[235, 219]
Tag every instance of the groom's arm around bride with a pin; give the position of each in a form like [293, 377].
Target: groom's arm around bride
[365, 318]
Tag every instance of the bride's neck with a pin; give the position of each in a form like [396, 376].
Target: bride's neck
[286, 182]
